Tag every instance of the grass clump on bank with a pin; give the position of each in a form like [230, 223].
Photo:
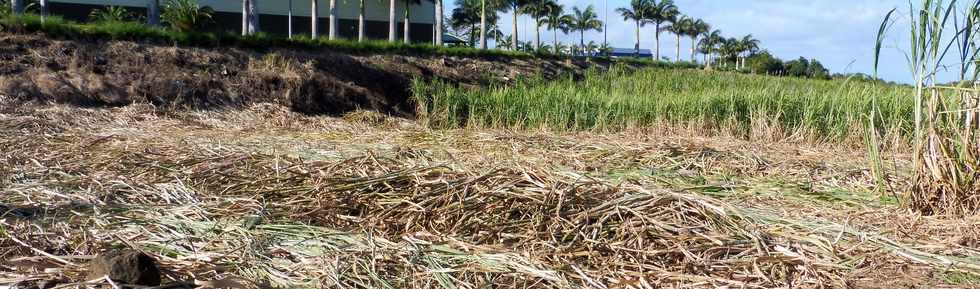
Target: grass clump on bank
[57, 27]
[743, 105]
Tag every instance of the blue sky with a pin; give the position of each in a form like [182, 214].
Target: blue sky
[839, 33]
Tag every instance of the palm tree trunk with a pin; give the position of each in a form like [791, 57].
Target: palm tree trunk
[407, 22]
[513, 35]
[678, 57]
[581, 39]
[438, 36]
[332, 30]
[483, 24]
[637, 47]
[244, 17]
[17, 6]
[392, 23]
[657, 35]
[360, 22]
[44, 9]
[694, 44]
[152, 11]
[555, 33]
[537, 34]
[290, 20]
[253, 17]
[314, 15]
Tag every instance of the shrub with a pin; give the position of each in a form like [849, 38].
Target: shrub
[186, 15]
[110, 14]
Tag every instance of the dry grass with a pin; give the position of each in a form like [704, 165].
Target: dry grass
[372, 202]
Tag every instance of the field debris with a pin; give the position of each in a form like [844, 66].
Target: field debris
[246, 199]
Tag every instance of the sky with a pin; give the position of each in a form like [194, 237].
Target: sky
[839, 33]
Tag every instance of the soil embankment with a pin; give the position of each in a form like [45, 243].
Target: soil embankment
[118, 73]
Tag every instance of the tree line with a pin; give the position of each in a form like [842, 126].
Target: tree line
[477, 20]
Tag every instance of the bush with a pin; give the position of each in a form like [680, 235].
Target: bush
[186, 15]
[110, 14]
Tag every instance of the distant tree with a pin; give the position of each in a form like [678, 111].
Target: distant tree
[585, 20]
[465, 19]
[679, 26]
[764, 63]
[663, 11]
[538, 10]
[747, 46]
[638, 13]
[557, 20]
[487, 6]
[697, 28]
[816, 70]
[728, 50]
[709, 45]
[513, 6]
[798, 67]
[605, 49]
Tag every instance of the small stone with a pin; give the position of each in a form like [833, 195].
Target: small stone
[126, 267]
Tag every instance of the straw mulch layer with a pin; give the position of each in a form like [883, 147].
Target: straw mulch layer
[389, 216]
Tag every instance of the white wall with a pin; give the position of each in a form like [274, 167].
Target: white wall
[348, 9]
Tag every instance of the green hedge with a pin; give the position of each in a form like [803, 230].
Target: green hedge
[57, 27]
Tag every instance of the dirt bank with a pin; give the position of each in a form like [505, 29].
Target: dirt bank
[119, 73]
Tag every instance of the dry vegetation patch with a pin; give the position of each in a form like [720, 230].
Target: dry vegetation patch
[270, 198]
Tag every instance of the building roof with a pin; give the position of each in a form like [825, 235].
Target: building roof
[451, 39]
[631, 52]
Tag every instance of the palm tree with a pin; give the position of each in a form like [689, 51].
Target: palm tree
[605, 49]
[485, 5]
[585, 20]
[466, 16]
[557, 20]
[707, 45]
[515, 7]
[697, 28]
[538, 10]
[590, 49]
[728, 50]
[680, 26]
[748, 46]
[660, 12]
[637, 12]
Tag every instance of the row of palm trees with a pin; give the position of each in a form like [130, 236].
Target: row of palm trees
[664, 15]
[480, 16]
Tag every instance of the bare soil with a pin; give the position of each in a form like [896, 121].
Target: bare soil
[119, 73]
